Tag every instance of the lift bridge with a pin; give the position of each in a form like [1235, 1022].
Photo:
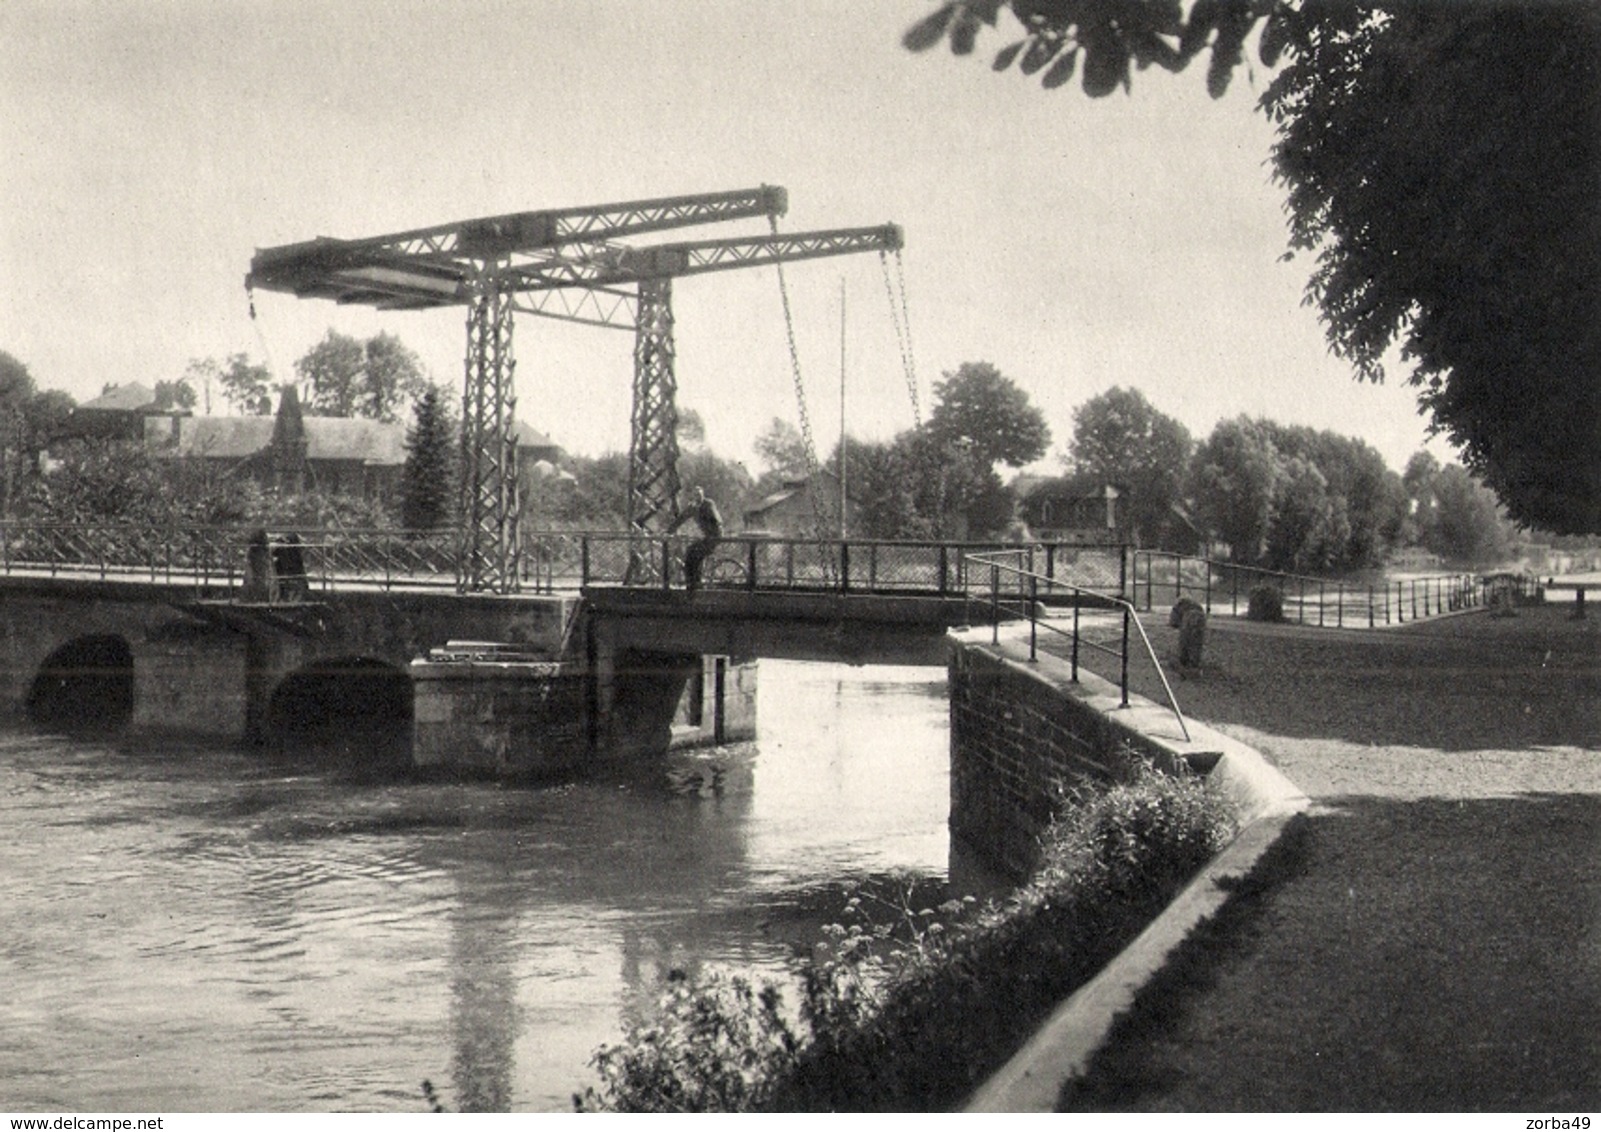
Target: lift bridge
[568, 264]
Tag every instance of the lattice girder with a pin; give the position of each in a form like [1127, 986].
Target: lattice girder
[653, 455]
[488, 558]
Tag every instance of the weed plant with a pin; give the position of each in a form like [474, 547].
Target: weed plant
[909, 1009]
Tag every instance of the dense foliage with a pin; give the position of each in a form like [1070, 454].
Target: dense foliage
[1441, 162]
[29, 420]
[1103, 39]
[244, 384]
[1120, 438]
[352, 378]
[1453, 515]
[980, 409]
[939, 481]
[1295, 498]
[911, 1013]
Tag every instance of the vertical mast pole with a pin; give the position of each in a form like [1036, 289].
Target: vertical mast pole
[843, 461]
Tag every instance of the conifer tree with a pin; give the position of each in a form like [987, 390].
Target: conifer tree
[428, 482]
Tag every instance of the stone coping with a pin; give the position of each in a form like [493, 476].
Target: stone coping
[1266, 801]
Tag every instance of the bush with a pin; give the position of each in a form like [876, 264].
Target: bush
[1266, 603]
[914, 1013]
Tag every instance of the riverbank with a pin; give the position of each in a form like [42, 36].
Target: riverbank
[1428, 939]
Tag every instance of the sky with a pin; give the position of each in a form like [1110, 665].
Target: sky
[147, 149]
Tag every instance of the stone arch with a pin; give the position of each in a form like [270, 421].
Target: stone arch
[85, 687]
[354, 713]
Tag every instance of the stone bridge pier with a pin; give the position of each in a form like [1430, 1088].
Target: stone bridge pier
[504, 685]
[108, 656]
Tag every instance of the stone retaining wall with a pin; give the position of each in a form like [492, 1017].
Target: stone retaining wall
[1024, 733]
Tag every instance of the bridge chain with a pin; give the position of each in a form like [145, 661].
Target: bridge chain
[820, 514]
[901, 319]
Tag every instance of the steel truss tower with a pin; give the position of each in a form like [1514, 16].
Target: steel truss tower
[487, 555]
[566, 264]
[653, 458]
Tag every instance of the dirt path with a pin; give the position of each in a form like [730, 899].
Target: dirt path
[1430, 939]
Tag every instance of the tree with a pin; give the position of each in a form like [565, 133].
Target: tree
[1442, 164]
[351, 378]
[1120, 438]
[980, 409]
[95, 481]
[1308, 529]
[781, 449]
[1108, 36]
[175, 395]
[1453, 515]
[29, 420]
[1233, 480]
[1466, 524]
[392, 375]
[916, 487]
[428, 480]
[244, 385]
[1440, 161]
[335, 368]
[1367, 498]
[691, 428]
[1295, 498]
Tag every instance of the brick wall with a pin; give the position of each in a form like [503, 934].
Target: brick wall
[1021, 734]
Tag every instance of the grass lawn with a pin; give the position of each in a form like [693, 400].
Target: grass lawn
[1429, 938]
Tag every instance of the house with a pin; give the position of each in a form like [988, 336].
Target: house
[1062, 511]
[538, 462]
[789, 512]
[290, 451]
[117, 414]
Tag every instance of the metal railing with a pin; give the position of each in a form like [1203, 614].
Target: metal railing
[215, 557]
[1027, 593]
[765, 563]
[202, 555]
[1163, 577]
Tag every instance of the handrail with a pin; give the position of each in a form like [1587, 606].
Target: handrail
[548, 560]
[1376, 602]
[1130, 615]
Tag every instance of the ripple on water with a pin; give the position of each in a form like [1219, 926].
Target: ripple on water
[196, 929]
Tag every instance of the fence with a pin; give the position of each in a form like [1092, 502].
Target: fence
[1017, 592]
[1159, 577]
[215, 558]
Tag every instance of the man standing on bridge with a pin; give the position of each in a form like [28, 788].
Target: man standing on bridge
[704, 512]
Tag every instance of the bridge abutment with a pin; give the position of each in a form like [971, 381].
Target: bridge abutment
[635, 676]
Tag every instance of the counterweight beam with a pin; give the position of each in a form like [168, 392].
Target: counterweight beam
[559, 263]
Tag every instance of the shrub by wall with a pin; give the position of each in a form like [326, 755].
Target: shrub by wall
[912, 1016]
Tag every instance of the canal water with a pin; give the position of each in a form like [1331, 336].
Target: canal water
[188, 929]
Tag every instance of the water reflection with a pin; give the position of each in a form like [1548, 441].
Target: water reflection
[191, 929]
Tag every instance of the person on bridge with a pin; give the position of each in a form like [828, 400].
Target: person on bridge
[704, 512]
